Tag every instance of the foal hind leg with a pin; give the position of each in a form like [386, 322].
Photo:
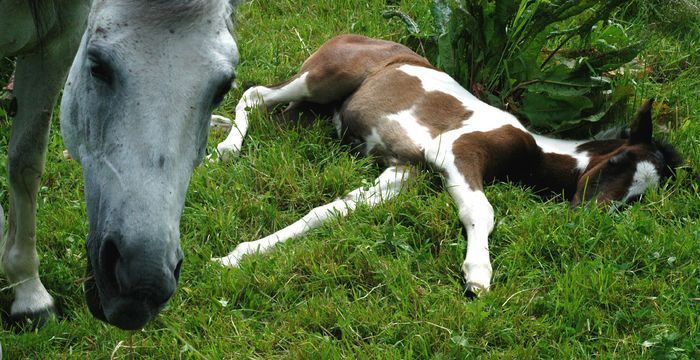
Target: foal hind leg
[296, 89]
[385, 187]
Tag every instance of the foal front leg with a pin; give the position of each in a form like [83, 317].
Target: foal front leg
[476, 214]
[296, 89]
[385, 187]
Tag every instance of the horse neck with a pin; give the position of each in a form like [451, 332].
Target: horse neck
[562, 162]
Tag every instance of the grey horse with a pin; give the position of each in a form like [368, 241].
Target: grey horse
[135, 113]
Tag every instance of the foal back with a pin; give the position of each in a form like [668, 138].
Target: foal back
[340, 66]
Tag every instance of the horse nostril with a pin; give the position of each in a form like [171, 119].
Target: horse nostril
[178, 267]
[109, 260]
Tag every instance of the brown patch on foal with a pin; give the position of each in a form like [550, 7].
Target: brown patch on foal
[338, 67]
[384, 93]
[554, 172]
[391, 91]
[510, 154]
[493, 154]
[440, 112]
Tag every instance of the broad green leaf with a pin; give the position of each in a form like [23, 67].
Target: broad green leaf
[441, 12]
[548, 111]
[561, 89]
[615, 58]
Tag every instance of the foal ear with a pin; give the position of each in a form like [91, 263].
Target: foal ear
[640, 132]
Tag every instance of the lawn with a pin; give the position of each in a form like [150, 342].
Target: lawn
[386, 282]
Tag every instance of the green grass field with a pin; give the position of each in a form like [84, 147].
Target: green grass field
[385, 283]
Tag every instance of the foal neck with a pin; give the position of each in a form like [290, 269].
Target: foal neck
[562, 162]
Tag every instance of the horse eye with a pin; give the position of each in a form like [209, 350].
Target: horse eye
[100, 70]
[222, 90]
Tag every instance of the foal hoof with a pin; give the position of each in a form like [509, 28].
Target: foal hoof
[477, 279]
[33, 320]
[473, 291]
[228, 151]
[227, 261]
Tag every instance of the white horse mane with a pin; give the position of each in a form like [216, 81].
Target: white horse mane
[175, 12]
[184, 7]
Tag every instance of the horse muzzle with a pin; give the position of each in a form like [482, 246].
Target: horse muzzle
[130, 282]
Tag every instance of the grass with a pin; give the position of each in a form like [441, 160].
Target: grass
[386, 282]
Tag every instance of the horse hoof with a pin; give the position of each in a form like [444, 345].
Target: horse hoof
[33, 320]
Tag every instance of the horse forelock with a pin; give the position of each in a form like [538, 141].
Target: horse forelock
[171, 12]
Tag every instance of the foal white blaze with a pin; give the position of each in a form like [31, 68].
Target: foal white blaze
[407, 112]
[645, 176]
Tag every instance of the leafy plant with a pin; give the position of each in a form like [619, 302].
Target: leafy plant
[501, 50]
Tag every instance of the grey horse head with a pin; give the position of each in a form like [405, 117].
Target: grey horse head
[135, 114]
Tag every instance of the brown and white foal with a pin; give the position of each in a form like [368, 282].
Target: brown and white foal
[406, 112]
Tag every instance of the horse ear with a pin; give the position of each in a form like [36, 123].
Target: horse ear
[641, 130]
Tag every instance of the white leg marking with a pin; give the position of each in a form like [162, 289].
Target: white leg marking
[476, 215]
[255, 97]
[385, 187]
[475, 211]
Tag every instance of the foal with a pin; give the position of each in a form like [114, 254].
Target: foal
[406, 112]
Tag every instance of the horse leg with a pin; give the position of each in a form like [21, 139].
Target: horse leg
[295, 89]
[385, 187]
[39, 77]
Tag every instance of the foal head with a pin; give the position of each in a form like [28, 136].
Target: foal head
[135, 114]
[622, 170]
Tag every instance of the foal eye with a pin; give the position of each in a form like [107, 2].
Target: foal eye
[621, 158]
